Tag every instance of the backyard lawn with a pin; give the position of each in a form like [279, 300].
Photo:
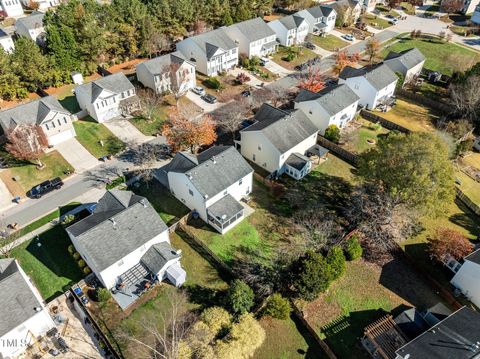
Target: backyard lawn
[413, 116]
[408, 8]
[303, 55]
[469, 186]
[361, 135]
[384, 10]
[329, 42]
[91, 133]
[334, 167]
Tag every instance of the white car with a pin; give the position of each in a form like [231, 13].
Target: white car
[393, 21]
[349, 37]
[199, 90]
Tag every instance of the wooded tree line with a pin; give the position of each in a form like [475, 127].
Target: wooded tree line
[83, 34]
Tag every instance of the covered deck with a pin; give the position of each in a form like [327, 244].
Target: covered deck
[225, 213]
[297, 165]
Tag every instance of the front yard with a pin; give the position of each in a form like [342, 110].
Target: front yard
[298, 57]
[329, 42]
[375, 21]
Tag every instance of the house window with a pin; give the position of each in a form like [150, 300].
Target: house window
[254, 157]
[120, 263]
[53, 124]
[46, 126]
[225, 192]
[191, 192]
[65, 119]
[240, 182]
[59, 123]
[259, 147]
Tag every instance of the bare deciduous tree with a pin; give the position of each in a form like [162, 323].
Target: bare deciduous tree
[318, 228]
[464, 97]
[27, 142]
[232, 114]
[151, 102]
[144, 157]
[7, 240]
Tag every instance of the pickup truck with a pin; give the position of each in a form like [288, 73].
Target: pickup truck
[45, 187]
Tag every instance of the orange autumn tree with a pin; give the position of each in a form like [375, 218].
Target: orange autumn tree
[446, 242]
[344, 59]
[313, 81]
[182, 132]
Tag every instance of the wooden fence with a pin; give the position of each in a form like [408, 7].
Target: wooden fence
[345, 155]
[423, 100]
[468, 202]
[383, 121]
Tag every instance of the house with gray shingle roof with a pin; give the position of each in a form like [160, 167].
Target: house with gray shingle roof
[46, 112]
[408, 62]
[253, 37]
[212, 52]
[108, 97]
[278, 141]
[320, 19]
[375, 85]
[212, 184]
[126, 244]
[290, 30]
[31, 27]
[23, 316]
[167, 73]
[335, 105]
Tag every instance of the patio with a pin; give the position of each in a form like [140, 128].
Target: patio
[134, 283]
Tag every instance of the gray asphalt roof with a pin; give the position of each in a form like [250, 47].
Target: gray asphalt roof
[116, 83]
[380, 76]
[284, 130]
[161, 64]
[121, 223]
[35, 20]
[408, 58]
[319, 11]
[291, 21]
[254, 29]
[33, 112]
[474, 257]
[213, 170]
[158, 255]
[332, 99]
[297, 161]
[3, 34]
[213, 40]
[16, 298]
[340, 3]
[225, 208]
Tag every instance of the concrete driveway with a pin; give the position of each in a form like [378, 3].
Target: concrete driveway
[281, 71]
[126, 132]
[77, 155]
[5, 196]
[205, 106]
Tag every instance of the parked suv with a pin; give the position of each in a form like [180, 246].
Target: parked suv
[45, 187]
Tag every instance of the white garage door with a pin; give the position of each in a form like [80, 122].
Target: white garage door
[60, 137]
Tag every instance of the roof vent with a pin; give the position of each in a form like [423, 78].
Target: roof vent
[37, 309]
[178, 252]
[189, 176]
[113, 222]
[144, 204]
[213, 159]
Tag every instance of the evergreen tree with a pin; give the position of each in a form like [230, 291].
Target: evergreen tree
[10, 85]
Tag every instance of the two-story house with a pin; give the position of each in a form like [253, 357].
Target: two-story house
[467, 277]
[211, 184]
[212, 52]
[375, 85]
[476, 15]
[348, 11]
[167, 73]
[253, 37]
[46, 112]
[42, 5]
[11, 8]
[6, 42]
[290, 30]
[31, 27]
[23, 316]
[409, 63]
[336, 105]
[125, 243]
[108, 97]
[320, 19]
[278, 141]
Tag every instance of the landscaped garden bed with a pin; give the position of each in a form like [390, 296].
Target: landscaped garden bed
[289, 57]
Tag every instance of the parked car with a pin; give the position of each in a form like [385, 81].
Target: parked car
[264, 61]
[246, 93]
[199, 90]
[393, 21]
[309, 45]
[209, 98]
[45, 187]
[349, 37]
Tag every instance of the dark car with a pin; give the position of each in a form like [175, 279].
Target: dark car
[45, 187]
[246, 93]
[309, 46]
[209, 98]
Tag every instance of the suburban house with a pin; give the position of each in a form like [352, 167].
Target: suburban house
[23, 313]
[108, 97]
[42, 5]
[409, 63]
[11, 8]
[253, 37]
[476, 15]
[126, 244]
[469, 6]
[6, 41]
[46, 112]
[278, 141]
[320, 19]
[350, 9]
[211, 184]
[167, 73]
[212, 52]
[369, 5]
[467, 277]
[374, 85]
[31, 27]
[336, 105]
[290, 30]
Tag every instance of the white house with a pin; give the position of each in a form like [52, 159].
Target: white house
[374, 85]
[46, 112]
[409, 63]
[167, 73]
[108, 97]
[31, 27]
[211, 184]
[125, 243]
[369, 5]
[476, 15]
[212, 52]
[320, 19]
[469, 6]
[22, 310]
[290, 30]
[336, 105]
[278, 141]
[253, 37]
[11, 8]
[42, 5]
[467, 278]
[6, 42]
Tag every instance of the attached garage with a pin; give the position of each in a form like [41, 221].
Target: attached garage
[60, 137]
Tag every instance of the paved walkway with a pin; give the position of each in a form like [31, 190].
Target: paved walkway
[77, 155]
[126, 132]
[322, 52]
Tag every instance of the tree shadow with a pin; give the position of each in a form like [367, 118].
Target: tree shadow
[205, 296]
[467, 219]
[314, 351]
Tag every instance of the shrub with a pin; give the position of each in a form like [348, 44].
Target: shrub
[76, 255]
[71, 249]
[353, 249]
[81, 263]
[104, 295]
[87, 270]
[242, 78]
[216, 318]
[68, 219]
[277, 307]
[212, 82]
[336, 261]
[332, 133]
[289, 57]
[255, 61]
[240, 297]
[245, 62]
[116, 182]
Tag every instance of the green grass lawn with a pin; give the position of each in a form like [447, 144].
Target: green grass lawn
[469, 186]
[413, 116]
[408, 8]
[52, 269]
[329, 42]
[66, 98]
[384, 10]
[440, 56]
[303, 56]
[357, 140]
[433, 91]
[375, 21]
[335, 167]
[90, 133]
